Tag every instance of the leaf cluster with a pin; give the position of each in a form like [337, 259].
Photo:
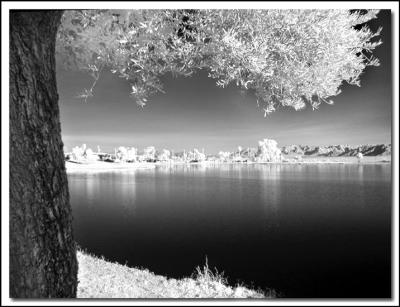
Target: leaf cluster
[286, 57]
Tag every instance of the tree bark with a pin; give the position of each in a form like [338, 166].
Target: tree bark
[42, 248]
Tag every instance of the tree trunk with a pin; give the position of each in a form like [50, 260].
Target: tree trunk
[42, 249]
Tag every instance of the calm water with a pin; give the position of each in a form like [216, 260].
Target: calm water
[304, 230]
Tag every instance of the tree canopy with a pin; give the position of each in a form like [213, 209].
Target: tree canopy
[286, 57]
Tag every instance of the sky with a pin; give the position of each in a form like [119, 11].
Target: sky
[195, 113]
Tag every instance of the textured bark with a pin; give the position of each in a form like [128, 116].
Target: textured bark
[42, 249]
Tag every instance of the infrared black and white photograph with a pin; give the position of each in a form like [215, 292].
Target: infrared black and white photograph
[200, 152]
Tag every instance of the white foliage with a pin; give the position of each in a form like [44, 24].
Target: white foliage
[288, 57]
[77, 153]
[199, 156]
[268, 151]
[149, 153]
[122, 153]
[165, 155]
[132, 154]
[90, 155]
[83, 153]
[224, 156]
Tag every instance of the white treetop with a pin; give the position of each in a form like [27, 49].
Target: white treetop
[288, 58]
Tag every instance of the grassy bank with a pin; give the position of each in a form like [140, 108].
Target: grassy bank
[99, 278]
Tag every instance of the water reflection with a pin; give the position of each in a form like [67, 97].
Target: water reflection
[270, 188]
[112, 188]
[303, 229]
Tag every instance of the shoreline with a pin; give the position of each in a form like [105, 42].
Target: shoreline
[104, 166]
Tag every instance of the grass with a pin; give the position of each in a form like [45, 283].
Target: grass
[99, 278]
[205, 274]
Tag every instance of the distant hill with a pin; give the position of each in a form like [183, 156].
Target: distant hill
[338, 150]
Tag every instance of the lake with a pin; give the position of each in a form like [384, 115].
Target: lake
[307, 231]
